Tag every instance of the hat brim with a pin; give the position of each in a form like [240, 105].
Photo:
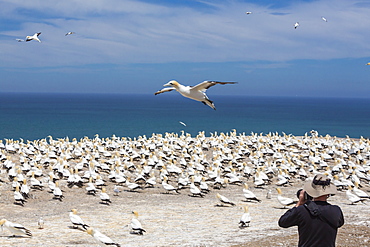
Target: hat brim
[319, 190]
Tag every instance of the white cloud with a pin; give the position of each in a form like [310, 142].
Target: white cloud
[121, 32]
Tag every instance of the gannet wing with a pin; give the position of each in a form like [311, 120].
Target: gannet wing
[166, 89]
[207, 84]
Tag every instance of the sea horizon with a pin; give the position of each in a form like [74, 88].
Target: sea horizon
[33, 116]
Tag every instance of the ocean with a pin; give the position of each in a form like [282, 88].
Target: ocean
[33, 116]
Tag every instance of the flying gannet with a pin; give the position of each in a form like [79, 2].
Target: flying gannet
[296, 25]
[324, 19]
[69, 33]
[15, 229]
[33, 37]
[136, 225]
[102, 239]
[19, 40]
[76, 220]
[182, 123]
[248, 12]
[368, 64]
[197, 92]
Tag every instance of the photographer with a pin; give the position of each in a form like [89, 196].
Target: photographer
[317, 220]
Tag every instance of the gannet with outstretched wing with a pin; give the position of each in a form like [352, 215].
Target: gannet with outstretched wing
[33, 37]
[197, 92]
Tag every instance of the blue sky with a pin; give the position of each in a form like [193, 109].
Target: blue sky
[126, 47]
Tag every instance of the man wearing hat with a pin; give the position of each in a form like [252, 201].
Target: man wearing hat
[317, 220]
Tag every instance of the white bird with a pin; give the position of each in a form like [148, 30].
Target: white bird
[15, 229]
[285, 201]
[360, 193]
[168, 187]
[353, 198]
[40, 223]
[245, 219]
[324, 19]
[249, 195]
[136, 225]
[102, 239]
[182, 123]
[197, 92]
[57, 192]
[19, 40]
[19, 199]
[69, 33]
[296, 25]
[248, 12]
[194, 190]
[224, 200]
[116, 190]
[33, 37]
[76, 220]
[104, 197]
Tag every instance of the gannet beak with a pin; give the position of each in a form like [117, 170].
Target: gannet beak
[167, 85]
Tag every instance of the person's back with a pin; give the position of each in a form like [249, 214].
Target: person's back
[314, 230]
[317, 220]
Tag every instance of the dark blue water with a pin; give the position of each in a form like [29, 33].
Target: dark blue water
[35, 116]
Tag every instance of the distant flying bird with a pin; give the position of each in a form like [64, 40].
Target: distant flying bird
[296, 25]
[368, 64]
[69, 33]
[248, 12]
[19, 40]
[197, 92]
[182, 123]
[324, 19]
[33, 37]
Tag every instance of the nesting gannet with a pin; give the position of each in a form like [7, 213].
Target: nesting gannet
[353, 198]
[249, 195]
[76, 220]
[168, 187]
[245, 219]
[360, 193]
[296, 25]
[285, 201]
[33, 37]
[102, 239]
[136, 225]
[57, 192]
[197, 92]
[19, 199]
[104, 197]
[69, 33]
[194, 190]
[15, 229]
[224, 200]
[324, 19]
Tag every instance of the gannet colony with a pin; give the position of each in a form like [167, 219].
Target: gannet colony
[184, 186]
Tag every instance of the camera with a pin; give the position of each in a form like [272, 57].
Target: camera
[306, 196]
